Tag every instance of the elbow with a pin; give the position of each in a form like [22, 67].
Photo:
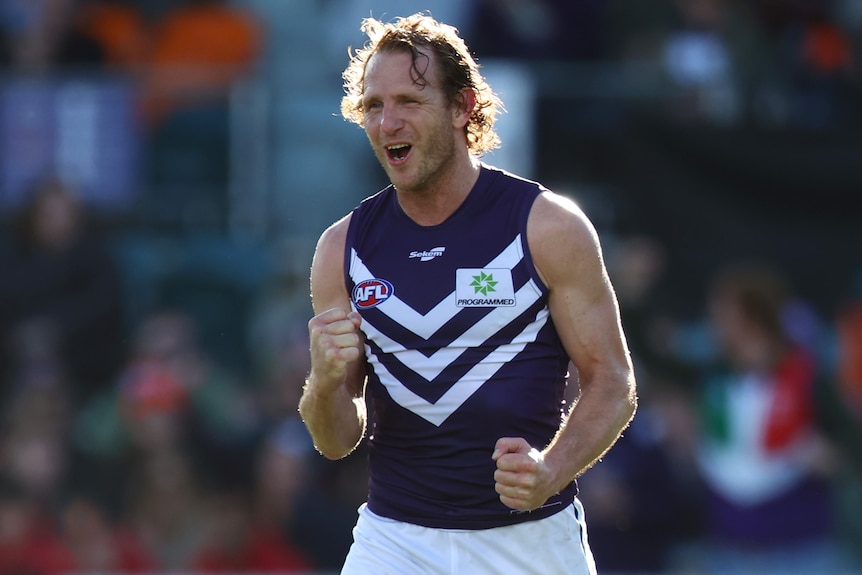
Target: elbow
[622, 391]
[330, 455]
[629, 396]
[332, 446]
[336, 427]
[333, 453]
[631, 406]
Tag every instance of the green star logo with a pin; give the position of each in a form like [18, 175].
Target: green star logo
[483, 283]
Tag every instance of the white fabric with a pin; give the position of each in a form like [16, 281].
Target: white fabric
[554, 545]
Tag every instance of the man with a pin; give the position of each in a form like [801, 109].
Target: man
[765, 465]
[459, 294]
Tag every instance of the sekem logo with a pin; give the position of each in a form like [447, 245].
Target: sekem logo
[372, 293]
[428, 255]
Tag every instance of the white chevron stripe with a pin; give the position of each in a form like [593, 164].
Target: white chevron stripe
[437, 412]
[425, 325]
[430, 367]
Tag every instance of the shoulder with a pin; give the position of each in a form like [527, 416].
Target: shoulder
[335, 234]
[327, 267]
[553, 213]
[331, 244]
[561, 237]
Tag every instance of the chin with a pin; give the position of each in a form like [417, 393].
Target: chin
[399, 178]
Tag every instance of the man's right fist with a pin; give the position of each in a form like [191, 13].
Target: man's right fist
[335, 342]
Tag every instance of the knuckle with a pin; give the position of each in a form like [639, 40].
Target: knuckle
[316, 330]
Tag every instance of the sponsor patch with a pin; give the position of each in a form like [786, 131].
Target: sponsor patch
[488, 287]
[428, 255]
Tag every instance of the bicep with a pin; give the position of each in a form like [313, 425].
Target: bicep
[567, 253]
[329, 289]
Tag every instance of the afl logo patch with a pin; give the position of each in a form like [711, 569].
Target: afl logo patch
[372, 293]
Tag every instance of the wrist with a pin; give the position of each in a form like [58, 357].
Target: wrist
[318, 387]
[557, 465]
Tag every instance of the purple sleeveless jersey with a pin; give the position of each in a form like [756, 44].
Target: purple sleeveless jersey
[461, 351]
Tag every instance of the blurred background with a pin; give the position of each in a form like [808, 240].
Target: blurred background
[166, 167]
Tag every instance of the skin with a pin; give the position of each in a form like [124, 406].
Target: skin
[431, 181]
[438, 172]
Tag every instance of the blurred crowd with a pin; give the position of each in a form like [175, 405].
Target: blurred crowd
[744, 456]
[133, 450]
[772, 62]
[139, 434]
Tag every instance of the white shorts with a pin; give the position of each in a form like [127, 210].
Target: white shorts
[556, 544]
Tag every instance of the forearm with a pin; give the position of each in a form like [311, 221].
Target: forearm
[336, 420]
[603, 410]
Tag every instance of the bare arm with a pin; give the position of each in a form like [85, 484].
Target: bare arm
[567, 254]
[333, 399]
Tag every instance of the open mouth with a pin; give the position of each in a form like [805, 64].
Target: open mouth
[398, 152]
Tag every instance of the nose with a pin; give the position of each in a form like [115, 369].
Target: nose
[390, 120]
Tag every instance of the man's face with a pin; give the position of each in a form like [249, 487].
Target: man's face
[412, 128]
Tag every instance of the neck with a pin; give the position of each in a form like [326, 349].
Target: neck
[434, 203]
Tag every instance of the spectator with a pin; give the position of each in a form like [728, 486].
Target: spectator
[699, 61]
[170, 396]
[174, 417]
[236, 543]
[641, 495]
[637, 509]
[185, 55]
[28, 541]
[217, 414]
[765, 466]
[35, 448]
[59, 281]
[313, 505]
[95, 544]
[166, 508]
[289, 495]
[185, 58]
[198, 50]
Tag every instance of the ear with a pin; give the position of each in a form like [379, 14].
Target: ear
[465, 101]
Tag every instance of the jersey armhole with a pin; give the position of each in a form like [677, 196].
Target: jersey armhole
[525, 243]
[350, 255]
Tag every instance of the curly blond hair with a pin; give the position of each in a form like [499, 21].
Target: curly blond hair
[457, 68]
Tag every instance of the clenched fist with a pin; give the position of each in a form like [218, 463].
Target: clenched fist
[335, 342]
[523, 479]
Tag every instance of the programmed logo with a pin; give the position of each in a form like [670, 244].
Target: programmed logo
[484, 287]
[372, 293]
